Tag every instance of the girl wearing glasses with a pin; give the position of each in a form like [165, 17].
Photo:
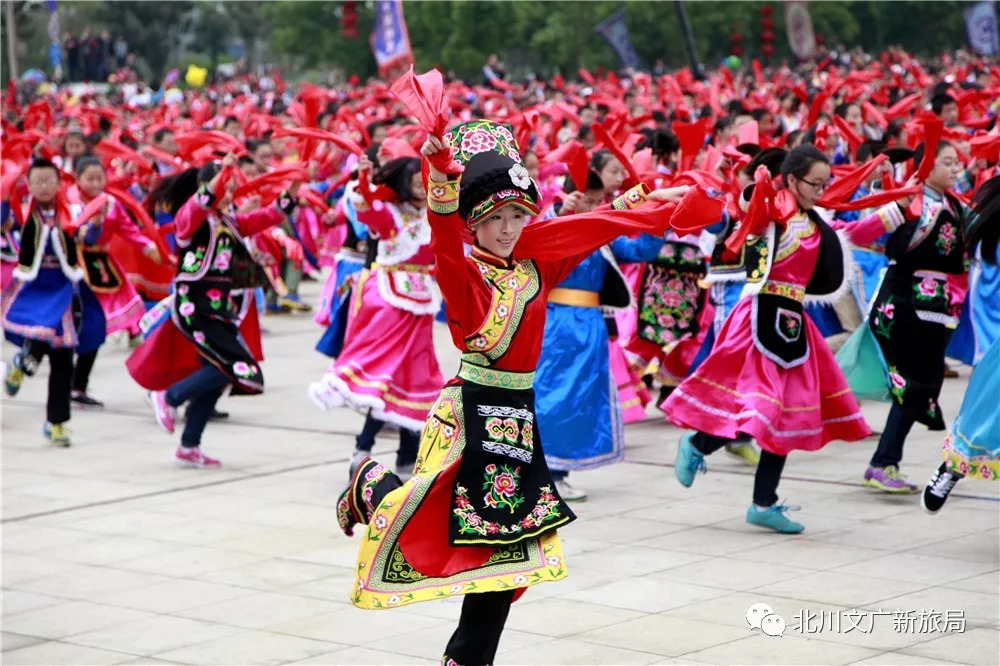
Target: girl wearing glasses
[771, 374]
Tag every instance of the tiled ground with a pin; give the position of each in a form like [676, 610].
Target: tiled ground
[111, 555]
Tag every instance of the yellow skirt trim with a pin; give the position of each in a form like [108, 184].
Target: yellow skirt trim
[383, 577]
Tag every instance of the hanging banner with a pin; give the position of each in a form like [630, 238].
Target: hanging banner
[390, 40]
[981, 26]
[798, 23]
[615, 31]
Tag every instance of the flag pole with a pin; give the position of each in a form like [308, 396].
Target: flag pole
[696, 67]
[11, 40]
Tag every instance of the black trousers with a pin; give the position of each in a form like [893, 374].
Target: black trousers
[890, 443]
[202, 390]
[60, 376]
[409, 440]
[477, 637]
[765, 483]
[81, 373]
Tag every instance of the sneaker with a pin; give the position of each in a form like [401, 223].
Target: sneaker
[938, 488]
[274, 308]
[84, 400]
[294, 303]
[569, 492]
[773, 517]
[193, 457]
[165, 415]
[888, 479]
[12, 382]
[56, 433]
[745, 450]
[689, 461]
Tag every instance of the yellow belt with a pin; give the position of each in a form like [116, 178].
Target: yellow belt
[792, 291]
[578, 297]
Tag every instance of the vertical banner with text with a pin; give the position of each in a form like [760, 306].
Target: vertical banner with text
[981, 25]
[390, 40]
[798, 23]
[615, 31]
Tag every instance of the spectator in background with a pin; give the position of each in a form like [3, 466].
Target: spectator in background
[231, 126]
[72, 46]
[493, 70]
[104, 53]
[89, 55]
[946, 108]
[120, 49]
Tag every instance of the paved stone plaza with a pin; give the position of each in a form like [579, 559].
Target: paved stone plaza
[111, 555]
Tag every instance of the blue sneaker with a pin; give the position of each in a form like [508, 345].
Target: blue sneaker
[689, 461]
[774, 518]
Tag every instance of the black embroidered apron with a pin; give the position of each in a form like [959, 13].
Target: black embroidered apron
[504, 492]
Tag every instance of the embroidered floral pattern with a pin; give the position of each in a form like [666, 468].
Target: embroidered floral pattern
[519, 176]
[884, 319]
[667, 312]
[897, 384]
[512, 289]
[478, 141]
[215, 298]
[244, 369]
[501, 485]
[985, 466]
[470, 522]
[946, 238]
[927, 289]
[192, 260]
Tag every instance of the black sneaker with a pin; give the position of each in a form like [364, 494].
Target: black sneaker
[938, 488]
[217, 415]
[84, 400]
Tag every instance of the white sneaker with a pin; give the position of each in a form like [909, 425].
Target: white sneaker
[570, 493]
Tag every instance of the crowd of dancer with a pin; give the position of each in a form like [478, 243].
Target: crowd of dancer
[759, 250]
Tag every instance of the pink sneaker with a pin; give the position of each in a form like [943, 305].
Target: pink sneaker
[193, 457]
[164, 413]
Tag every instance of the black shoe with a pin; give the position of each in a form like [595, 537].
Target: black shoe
[84, 400]
[938, 488]
[218, 415]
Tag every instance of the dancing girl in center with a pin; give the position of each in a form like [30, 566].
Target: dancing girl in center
[479, 515]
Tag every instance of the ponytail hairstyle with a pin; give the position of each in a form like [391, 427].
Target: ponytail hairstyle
[770, 158]
[799, 160]
[397, 175]
[173, 192]
[985, 230]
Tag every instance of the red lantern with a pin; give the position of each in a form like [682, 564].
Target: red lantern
[349, 18]
[767, 36]
[767, 49]
[767, 23]
[766, 10]
[736, 44]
